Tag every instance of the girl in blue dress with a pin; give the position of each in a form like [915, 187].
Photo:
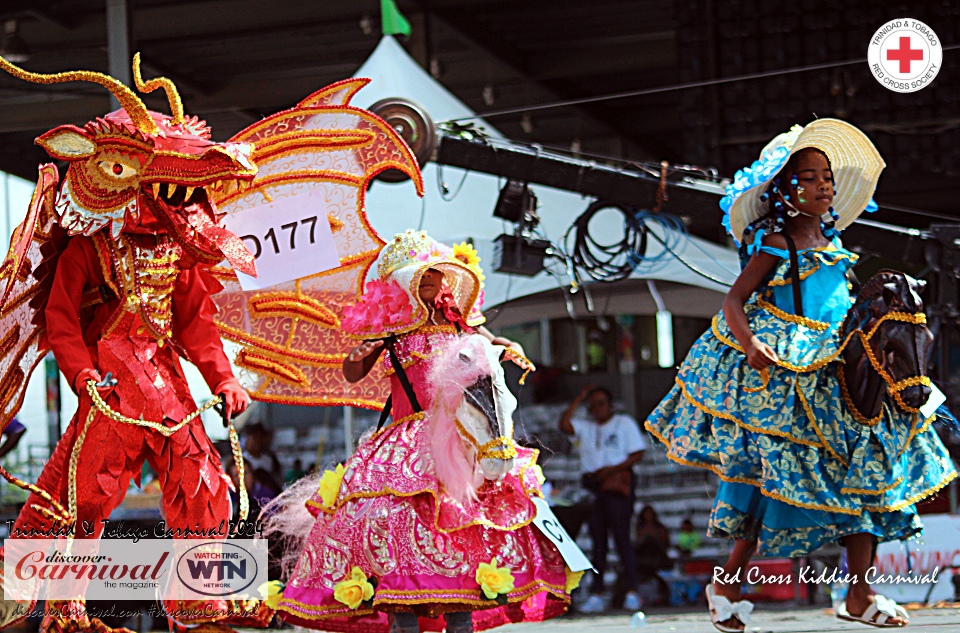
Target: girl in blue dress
[758, 399]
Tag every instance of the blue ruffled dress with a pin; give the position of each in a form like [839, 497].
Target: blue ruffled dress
[797, 470]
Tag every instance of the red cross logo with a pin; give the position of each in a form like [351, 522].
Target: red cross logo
[905, 54]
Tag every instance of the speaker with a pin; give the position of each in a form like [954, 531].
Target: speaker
[413, 124]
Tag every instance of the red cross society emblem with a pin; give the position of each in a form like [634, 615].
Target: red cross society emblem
[905, 55]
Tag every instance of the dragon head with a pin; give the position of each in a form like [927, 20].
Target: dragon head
[138, 171]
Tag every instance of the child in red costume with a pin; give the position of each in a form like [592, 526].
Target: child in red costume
[120, 252]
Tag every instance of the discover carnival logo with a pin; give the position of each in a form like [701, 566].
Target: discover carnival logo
[905, 55]
[125, 569]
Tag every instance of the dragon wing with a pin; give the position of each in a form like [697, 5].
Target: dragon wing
[25, 275]
[287, 340]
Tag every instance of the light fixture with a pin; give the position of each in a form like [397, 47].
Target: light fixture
[519, 254]
[517, 203]
[12, 46]
[664, 328]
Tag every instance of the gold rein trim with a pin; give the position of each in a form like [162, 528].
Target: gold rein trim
[489, 450]
[99, 405]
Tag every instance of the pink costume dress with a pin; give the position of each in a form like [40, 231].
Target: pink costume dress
[392, 520]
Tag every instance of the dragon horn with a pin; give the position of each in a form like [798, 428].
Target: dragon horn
[176, 105]
[128, 99]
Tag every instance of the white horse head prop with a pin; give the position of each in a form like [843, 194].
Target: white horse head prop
[471, 419]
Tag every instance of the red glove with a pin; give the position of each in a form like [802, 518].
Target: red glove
[80, 383]
[235, 398]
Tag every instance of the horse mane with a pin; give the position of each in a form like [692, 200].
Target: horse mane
[448, 377]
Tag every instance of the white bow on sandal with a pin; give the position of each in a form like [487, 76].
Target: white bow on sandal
[722, 610]
[877, 614]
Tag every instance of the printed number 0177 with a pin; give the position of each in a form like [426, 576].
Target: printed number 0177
[271, 236]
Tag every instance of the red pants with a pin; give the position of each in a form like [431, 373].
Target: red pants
[195, 490]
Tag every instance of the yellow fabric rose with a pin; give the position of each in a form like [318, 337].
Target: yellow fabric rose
[330, 485]
[353, 590]
[573, 579]
[494, 580]
[272, 593]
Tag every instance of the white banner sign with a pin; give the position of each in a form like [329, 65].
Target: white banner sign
[548, 523]
[934, 559]
[290, 239]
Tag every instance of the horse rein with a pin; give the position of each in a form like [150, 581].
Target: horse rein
[489, 450]
[893, 387]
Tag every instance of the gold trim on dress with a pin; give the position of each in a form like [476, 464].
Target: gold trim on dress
[816, 427]
[320, 612]
[741, 423]
[820, 326]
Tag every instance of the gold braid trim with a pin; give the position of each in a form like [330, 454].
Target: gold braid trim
[864, 491]
[739, 422]
[918, 497]
[473, 599]
[752, 482]
[918, 318]
[104, 409]
[128, 99]
[816, 427]
[851, 407]
[165, 431]
[893, 386]
[792, 318]
[789, 280]
[522, 362]
[765, 377]
[72, 468]
[917, 428]
[238, 459]
[489, 449]
[58, 515]
[173, 97]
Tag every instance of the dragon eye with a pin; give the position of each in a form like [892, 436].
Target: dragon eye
[115, 170]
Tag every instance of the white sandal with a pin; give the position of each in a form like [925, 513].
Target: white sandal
[721, 610]
[880, 610]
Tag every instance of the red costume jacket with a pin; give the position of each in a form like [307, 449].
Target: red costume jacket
[113, 311]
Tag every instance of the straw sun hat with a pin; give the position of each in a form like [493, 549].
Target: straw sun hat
[856, 167]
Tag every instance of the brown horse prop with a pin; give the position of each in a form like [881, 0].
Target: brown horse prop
[887, 344]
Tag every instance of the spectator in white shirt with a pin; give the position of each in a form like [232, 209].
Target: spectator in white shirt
[610, 444]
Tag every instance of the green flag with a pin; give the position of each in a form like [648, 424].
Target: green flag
[392, 20]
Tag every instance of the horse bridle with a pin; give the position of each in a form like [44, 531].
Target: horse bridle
[489, 450]
[895, 387]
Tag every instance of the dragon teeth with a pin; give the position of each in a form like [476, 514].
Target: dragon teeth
[189, 193]
[156, 189]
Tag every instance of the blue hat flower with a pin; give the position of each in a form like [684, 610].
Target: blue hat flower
[856, 167]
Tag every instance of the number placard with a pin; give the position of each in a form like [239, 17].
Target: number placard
[548, 523]
[933, 402]
[290, 238]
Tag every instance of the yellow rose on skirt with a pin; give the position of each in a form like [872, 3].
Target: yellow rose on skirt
[494, 580]
[354, 590]
[330, 485]
[573, 579]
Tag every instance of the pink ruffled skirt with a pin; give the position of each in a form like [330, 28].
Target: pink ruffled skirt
[422, 548]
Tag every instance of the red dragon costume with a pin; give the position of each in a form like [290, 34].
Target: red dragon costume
[113, 270]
